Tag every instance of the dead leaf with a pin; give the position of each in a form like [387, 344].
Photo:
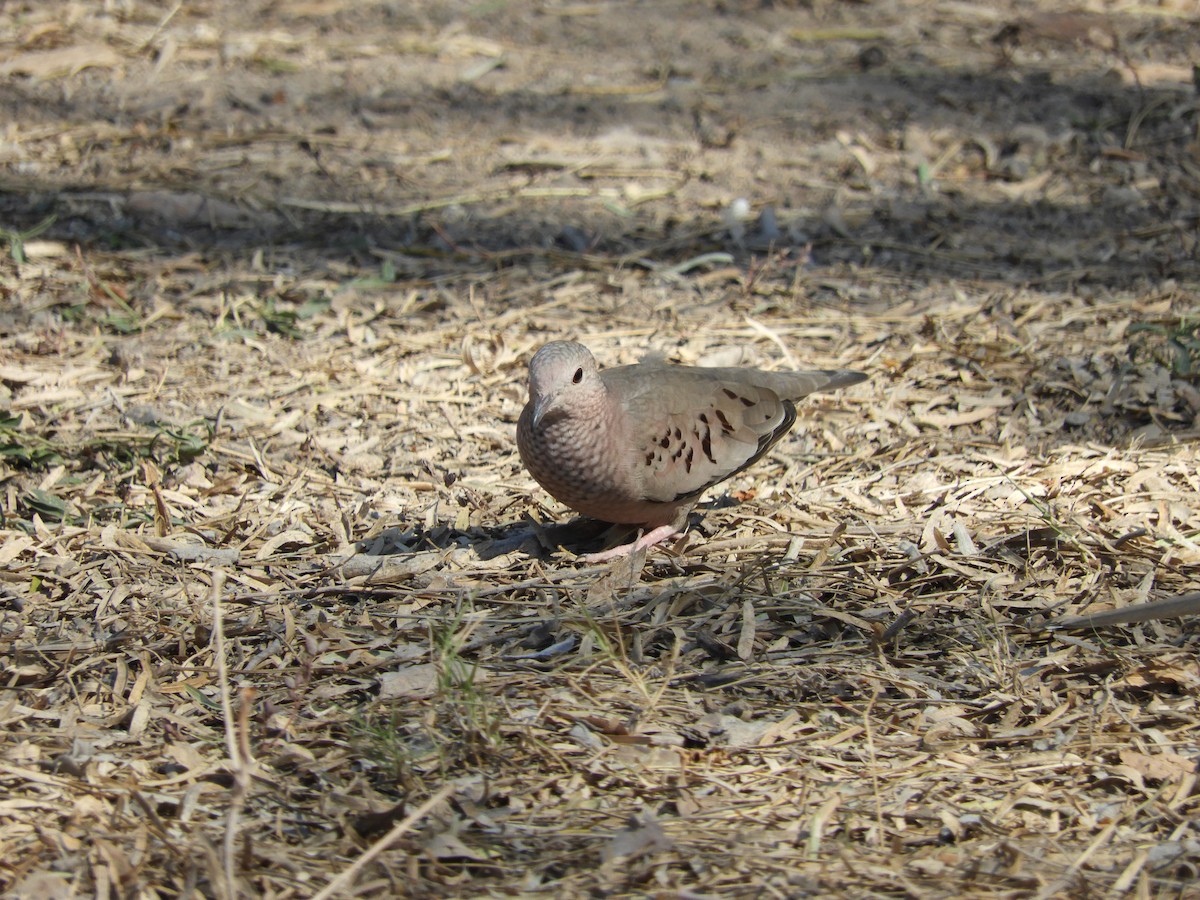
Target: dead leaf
[730, 731]
[292, 538]
[61, 61]
[640, 839]
[448, 845]
[417, 682]
[43, 886]
[179, 208]
[1181, 671]
[1165, 766]
[745, 644]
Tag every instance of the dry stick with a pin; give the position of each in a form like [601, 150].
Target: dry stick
[1054, 888]
[382, 844]
[1170, 608]
[816, 828]
[234, 746]
[874, 761]
[162, 23]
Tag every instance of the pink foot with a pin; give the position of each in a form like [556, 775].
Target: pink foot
[649, 539]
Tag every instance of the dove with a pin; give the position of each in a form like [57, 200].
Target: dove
[637, 445]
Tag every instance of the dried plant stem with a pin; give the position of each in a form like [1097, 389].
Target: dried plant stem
[344, 879]
[237, 738]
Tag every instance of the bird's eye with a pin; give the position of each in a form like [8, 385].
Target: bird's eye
[577, 377]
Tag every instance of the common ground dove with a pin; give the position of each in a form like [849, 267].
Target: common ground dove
[637, 445]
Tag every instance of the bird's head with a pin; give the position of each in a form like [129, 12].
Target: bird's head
[563, 382]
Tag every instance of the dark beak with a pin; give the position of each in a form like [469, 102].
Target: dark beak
[543, 405]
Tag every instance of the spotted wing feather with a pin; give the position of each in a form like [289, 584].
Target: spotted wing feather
[692, 428]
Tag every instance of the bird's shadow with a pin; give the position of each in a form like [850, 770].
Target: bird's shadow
[578, 536]
[527, 538]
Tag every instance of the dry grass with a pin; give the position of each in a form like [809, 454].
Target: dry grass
[278, 617]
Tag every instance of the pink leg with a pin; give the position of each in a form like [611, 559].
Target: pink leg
[649, 539]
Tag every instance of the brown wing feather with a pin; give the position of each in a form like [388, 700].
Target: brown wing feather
[691, 428]
[691, 433]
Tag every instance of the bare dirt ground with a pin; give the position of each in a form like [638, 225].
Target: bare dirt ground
[283, 616]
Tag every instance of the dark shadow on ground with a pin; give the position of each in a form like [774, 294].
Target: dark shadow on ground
[315, 174]
[578, 535]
